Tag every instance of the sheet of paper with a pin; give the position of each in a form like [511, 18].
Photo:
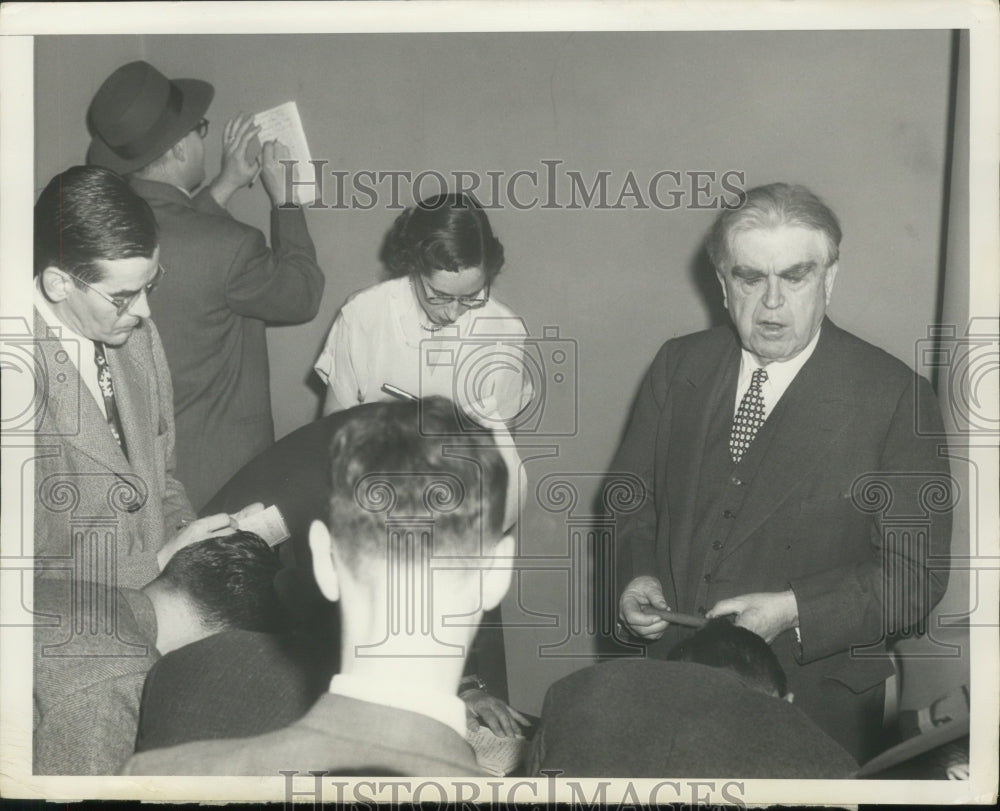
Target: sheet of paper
[269, 524]
[283, 123]
[499, 756]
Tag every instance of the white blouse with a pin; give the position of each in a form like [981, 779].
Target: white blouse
[382, 336]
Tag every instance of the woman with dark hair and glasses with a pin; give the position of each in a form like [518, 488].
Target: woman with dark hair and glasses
[434, 327]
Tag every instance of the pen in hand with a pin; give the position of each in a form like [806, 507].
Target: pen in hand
[398, 393]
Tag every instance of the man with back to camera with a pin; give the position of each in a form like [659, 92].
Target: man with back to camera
[105, 469]
[718, 707]
[750, 444]
[414, 542]
[87, 686]
[225, 284]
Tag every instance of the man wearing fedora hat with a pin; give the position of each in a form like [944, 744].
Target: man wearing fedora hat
[224, 284]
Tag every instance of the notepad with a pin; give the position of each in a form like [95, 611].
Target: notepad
[283, 123]
[269, 524]
[499, 756]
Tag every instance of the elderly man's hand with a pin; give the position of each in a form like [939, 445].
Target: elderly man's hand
[238, 169]
[498, 715]
[767, 614]
[643, 591]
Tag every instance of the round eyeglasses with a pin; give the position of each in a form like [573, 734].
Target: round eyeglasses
[123, 304]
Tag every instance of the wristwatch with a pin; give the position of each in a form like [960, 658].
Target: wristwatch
[471, 682]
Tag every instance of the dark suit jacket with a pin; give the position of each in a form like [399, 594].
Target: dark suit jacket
[340, 734]
[232, 684]
[850, 412]
[294, 475]
[650, 719]
[83, 482]
[222, 284]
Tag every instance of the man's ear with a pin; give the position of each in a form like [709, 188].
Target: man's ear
[722, 284]
[179, 151]
[321, 546]
[55, 283]
[496, 578]
[831, 275]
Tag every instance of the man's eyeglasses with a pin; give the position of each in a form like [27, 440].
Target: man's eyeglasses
[471, 302]
[123, 304]
[201, 128]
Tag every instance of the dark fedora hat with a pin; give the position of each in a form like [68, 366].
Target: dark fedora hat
[138, 114]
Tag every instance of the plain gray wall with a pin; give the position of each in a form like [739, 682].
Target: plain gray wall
[860, 117]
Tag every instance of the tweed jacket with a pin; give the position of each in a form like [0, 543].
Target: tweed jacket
[86, 490]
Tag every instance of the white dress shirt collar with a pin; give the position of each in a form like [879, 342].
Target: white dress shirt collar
[780, 375]
[79, 348]
[444, 707]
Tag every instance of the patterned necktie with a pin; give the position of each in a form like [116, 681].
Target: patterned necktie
[749, 417]
[108, 390]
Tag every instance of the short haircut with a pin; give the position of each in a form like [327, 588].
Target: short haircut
[446, 232]
[87, 214]
[229, 580]
[721, 644]
[768, 207]
[414, 459]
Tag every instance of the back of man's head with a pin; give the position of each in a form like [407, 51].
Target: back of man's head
[87, 214]
[721, 644]
[770, 206]
[228, 582]
[414, 463]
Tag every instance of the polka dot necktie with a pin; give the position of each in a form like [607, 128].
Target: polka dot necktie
[108, 390]
[749, 417]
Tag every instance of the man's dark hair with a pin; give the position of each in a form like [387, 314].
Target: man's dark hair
[229, 580]
[721, 644]
[768, 207]
[87, 214]
[417, 463]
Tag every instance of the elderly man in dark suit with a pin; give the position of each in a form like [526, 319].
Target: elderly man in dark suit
[224, 282]
[107, 504]
[759, 450]
[413, 555]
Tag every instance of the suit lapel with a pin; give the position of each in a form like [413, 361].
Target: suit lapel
[132, 399]
[70, 411]
[812, 414]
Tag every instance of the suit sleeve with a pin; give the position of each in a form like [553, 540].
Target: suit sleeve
[92, 731]
[176, 505]
[906, 573]
[281, 284]
[635, 552]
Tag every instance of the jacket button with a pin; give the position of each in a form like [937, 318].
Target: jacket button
[707, 578]
[717, 545]
[701, 610]
[737, 481]
[728, 514]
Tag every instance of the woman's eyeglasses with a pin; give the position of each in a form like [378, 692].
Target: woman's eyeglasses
[471, 302]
